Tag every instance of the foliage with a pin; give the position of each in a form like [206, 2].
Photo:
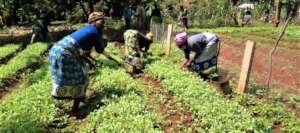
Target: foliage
[28, 109]
[272, 113]
[31, 109]
[292, 30]
[215, 112]
[203, 101]
[129, 114]
[8, 49]
[125, 107]
[119, 102]
[24, 59]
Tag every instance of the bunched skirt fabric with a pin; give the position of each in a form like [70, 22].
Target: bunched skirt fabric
[68, 72]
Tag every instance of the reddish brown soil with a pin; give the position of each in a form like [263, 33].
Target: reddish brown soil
[10, 83]
[277, 128]
[174, 117]
[285, 68]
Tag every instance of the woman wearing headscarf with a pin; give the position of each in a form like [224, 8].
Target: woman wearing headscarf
[200, 50]
[68, 71]
[136, 47]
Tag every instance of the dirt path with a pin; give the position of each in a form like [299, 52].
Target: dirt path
[178, 118]
[286, 72]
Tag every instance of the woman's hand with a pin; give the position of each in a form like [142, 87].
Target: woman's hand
[184, 63]
[188, 64]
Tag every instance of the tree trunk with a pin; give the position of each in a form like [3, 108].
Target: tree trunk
[14, 13]
[235, 20]
[84, 10]
[68, 11]
[91, 6]
[278, 11]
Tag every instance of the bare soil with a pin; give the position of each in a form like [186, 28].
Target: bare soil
[176, 117]
[285, 68]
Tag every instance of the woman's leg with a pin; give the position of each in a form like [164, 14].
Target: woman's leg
[75, 105]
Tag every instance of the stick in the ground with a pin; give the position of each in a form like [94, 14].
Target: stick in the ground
[274, 49]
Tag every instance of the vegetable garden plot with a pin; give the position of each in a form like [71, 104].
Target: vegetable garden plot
[31, 109]
[176, 117]
[25, 59]
[7, 50]
[176, 78]
[119, 103]
[209, 108]
[234, 118]
[28, 108]
[127, 112]
[180, 120]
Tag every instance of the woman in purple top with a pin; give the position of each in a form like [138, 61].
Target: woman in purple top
[200, 50]
[68, 71]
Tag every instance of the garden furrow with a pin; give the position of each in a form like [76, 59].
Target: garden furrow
[117, 105]
[215, 113]
[8, 51]
[26, 61]
[198, 95]
[176, 117]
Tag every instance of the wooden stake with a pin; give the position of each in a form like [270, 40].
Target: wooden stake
[246, 66]
[168, 45]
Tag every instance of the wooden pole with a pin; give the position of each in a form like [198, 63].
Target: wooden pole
[246, 66]
[168, 45]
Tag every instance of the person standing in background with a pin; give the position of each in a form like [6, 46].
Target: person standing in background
[127, 13]
[247, 16]
[40, 28]
[183, 17]
[141, 16]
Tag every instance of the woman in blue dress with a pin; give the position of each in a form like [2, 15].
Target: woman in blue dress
[68, 71]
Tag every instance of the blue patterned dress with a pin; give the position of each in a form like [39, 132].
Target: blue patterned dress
[68, 71]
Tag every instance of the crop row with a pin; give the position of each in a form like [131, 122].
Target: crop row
[29, 108]
[24, 59]
[291, 30]
[213, 110]
[8, 49]
[126, 107]
[118, 104]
